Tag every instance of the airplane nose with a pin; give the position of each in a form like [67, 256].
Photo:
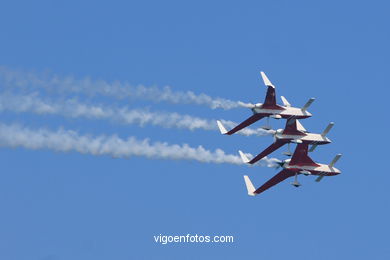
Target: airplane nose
[336, 172]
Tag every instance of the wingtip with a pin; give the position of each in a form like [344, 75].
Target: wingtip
[221, 127]
[267, 82]
[249, 186]
[308, 104]
[243, 156]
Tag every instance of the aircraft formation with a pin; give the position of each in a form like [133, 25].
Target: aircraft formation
[294, 132]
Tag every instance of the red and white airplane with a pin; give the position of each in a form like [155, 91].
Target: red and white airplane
[300, 163]
[270, 109]
[294, 132]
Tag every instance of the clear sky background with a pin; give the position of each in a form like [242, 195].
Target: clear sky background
[57, 206]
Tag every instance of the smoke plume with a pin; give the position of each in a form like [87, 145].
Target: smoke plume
[53, 83]
[67, 140]
[74, 109]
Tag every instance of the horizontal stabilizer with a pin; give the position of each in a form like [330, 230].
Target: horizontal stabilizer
[336, 158]
[319, 178]
[249, 186]
[285, 102]
[312, 148]
[308, 103]
[222, 129]
[327, 129]
[267, 82]
[243, 156]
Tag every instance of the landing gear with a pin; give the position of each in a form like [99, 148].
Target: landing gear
[296, 183]
[267, 126]
[288, 153]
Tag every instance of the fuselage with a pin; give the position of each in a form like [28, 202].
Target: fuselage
[319, 169]
[285, 112]
[310, 138]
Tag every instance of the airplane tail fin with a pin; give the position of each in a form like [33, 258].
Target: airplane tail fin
[300, 126]
[285, 102]
[307, 105]
[267, 82]
[249, 186]
[270, 98]
[293, 127]
[300, 156]
[327, 129]
[222, 129]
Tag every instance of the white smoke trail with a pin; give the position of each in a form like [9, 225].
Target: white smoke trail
[28, 81]
[72, 108]
[66, 140]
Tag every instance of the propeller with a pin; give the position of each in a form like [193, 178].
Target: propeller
[280, 164]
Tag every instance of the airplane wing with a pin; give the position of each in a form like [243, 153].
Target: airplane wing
[300, 156]
[246, 123]
[268, 150]
[281, 176]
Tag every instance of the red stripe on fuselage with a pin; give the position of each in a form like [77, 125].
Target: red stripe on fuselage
[313, 172]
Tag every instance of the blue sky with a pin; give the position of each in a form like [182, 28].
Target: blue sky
[72, 206]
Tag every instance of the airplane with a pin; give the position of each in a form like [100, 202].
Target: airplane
[293, 132]
[300, 163]
[270, 109]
